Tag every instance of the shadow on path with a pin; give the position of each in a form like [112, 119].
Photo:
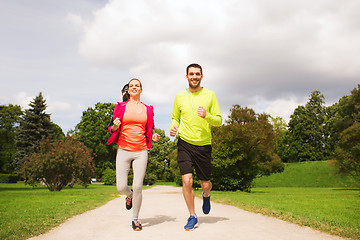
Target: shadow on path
[148, 222]
[159, 219]
[211, 220]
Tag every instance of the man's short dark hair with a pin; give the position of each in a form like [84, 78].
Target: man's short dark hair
[194, 65]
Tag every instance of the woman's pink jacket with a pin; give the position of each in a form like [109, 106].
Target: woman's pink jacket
[119, 113]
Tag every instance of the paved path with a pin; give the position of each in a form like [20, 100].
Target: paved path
[164, 214]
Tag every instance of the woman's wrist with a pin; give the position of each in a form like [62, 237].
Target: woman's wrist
[114, 128]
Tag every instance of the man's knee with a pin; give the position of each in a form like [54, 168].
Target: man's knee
[206, 184]
[187, 180]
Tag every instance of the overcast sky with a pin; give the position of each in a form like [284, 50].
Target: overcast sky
[266, 55]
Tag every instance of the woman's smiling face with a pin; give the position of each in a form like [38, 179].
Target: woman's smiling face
[135, 88]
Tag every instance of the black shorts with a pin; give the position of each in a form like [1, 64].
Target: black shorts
[192, 157]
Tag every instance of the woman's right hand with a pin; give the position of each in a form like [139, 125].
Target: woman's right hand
[116, 125]
[117, 122]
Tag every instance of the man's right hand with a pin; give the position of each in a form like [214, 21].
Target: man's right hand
[173, 131]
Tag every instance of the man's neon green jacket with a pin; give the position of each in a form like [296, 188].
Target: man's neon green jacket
[192, 128]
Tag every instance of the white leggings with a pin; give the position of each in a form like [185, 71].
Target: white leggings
[123, 163]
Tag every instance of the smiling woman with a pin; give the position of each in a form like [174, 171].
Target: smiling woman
[132, 129]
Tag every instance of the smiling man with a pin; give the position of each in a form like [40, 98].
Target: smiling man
[195, 110]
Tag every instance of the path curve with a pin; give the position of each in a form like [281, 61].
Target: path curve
[164, 214]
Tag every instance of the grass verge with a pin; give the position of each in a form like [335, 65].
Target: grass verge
[335, 211]
[307, 174]
[27, 211]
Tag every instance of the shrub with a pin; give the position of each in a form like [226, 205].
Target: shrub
[150, 179]
[60, 163]
[109, 176]
[242, 150]
[8, 178]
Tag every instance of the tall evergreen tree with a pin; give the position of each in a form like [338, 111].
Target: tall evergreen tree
[35, 125]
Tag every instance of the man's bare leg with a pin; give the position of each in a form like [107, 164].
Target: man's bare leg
[188, 193]
[206, 187]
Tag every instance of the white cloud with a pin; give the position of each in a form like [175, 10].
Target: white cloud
[249, 35]
[75, 19]
[247, 48]
[22, 99]
[283, 107]
[268, 55]
[60, 106]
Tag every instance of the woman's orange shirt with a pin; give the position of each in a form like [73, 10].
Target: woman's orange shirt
[132, 131]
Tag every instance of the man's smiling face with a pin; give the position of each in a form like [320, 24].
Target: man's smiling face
[194, 77]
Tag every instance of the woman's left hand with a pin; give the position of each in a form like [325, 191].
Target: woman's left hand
[155, 137]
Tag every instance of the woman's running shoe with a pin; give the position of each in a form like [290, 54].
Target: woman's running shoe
[128, 202]
[136, 225]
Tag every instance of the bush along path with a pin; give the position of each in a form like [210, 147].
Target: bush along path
[164, 214]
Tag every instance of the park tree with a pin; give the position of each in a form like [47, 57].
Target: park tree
[344, 124]
[279, 124]
[243, 149]
[158, 164]
[59, 163]
[307, 135]
[57, 132]
[92, 131]
[343, 115]
[347, 152]
[280, 128]
[174, 167]
[9, 122]
[35, 125]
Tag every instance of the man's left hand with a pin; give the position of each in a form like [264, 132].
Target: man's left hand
[201, 112]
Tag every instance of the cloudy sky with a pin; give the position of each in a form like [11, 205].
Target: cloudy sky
[266, 55]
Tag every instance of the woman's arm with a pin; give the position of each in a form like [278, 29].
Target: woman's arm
[116, 125]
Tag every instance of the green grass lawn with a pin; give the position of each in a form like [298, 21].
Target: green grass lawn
[27, 211]
[335, 211]
[307, 174]
[307, 194]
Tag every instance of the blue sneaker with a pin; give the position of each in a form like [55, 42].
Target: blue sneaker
[206, 204]
[191, 224]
